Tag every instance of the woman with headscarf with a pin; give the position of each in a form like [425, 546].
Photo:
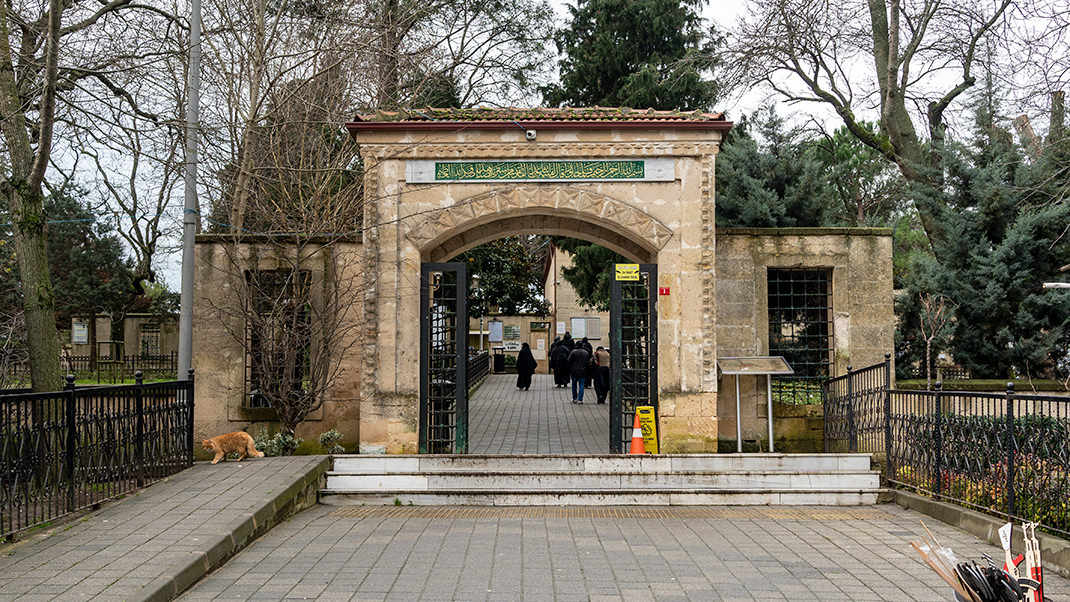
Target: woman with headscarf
[559, 359]
[525, 367]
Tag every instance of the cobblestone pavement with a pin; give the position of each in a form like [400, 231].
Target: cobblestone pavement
[594, 554]
[542, 420]
[138, 543]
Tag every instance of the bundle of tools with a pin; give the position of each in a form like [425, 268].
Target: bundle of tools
[975, 583]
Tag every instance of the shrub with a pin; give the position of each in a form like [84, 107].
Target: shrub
[329, 440]
[281, 444]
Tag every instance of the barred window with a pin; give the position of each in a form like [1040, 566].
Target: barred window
[800, 329]
[149, 340]
[279, 331]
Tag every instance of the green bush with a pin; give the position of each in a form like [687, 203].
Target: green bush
[281, 444]
[329, 440]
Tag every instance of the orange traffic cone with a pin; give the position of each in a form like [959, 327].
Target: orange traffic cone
[637, 438]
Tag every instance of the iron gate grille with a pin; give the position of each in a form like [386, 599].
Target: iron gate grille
[443, 358]
[634, 344]
[800, 330]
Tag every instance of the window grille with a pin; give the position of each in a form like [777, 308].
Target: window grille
[279, 331]
[800, 329]
[149, 339]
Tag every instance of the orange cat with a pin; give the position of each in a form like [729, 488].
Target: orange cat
[237, 442]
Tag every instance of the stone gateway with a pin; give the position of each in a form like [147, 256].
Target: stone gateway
[439, 182]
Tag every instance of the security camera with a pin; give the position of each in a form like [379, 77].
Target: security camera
[530, 134]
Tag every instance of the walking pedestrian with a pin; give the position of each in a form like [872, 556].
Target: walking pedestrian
[559, 358]
[590, 362]
[601, 373]
[525, 367]
[577, 364]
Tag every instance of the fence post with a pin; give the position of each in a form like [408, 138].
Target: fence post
[189, 418]
[1011, 444]
[938, 437]
[68, 459]
[139, 436]
[826, 414]
[852, 430]
[889, 472]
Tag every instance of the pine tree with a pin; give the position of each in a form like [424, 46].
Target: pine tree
[772, 181]
[1006, 237]
[635, 53]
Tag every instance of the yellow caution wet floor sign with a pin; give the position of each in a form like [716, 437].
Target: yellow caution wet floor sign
[627, 272]
[648, 423]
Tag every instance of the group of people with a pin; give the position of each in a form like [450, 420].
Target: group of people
[576, 360]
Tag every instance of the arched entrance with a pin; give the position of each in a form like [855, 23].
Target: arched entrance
[640, 184]
[444, 409]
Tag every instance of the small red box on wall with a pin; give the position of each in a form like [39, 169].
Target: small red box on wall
[663, 290]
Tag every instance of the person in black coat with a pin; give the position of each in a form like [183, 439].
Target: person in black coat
[559, 360]
[586, 346]
[525, 367]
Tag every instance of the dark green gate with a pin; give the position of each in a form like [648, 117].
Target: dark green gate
[634, 348]
[443, 358]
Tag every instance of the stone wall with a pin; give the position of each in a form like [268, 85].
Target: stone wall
[219, 359]
[863, 313]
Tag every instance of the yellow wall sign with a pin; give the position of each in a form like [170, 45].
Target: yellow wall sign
[648, 422]
[627, 272]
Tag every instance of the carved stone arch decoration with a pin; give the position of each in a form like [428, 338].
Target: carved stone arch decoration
[576, 212]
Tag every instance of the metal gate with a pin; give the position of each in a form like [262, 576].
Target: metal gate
[443, 358]
[634, 349]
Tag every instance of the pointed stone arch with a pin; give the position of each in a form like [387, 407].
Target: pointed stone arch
[580, 213]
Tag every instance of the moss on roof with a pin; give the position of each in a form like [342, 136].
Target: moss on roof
[540, 114]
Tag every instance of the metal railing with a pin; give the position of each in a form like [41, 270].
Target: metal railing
[1005, 454]
[478, 368]
[64, 451]
[165, 363]
[854, 406]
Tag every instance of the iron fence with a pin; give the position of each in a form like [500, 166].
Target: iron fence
[64, 451]
[854, 403]
[1005, 454]
[121, 369]
[478, 367]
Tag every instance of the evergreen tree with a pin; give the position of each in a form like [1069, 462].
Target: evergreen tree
[635, 53]
[86, 259]
[772, 180]
[1005, 239]
[510, 273]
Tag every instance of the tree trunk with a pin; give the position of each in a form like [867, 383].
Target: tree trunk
[42, 338]
[928, 365]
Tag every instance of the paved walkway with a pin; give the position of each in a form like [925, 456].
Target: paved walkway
[162, 538]
[542, 420]
[595, 554]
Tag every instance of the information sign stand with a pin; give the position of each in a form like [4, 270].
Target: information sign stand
[765, 365]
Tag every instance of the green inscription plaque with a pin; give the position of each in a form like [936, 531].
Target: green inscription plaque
[540, 170]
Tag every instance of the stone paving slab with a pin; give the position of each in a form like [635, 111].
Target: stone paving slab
[597, 555]
[541, 420]
[160, 540]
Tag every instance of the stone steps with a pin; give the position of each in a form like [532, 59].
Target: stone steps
[529, 480]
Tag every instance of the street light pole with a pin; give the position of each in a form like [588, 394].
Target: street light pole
[189, 215]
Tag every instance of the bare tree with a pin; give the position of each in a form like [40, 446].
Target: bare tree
[910, 60]
[934, 319]
[297, 279]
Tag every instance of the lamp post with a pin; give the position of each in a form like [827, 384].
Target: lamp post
[189, 215]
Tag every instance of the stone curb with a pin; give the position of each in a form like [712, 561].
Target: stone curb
[1054, 551]
[271, 510]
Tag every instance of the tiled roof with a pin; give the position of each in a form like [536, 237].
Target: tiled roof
[539, 114]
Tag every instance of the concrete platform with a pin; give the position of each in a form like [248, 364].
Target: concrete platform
[159, 541]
